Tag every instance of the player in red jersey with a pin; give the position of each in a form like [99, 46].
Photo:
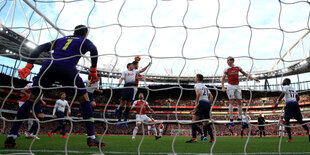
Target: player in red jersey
[140, 106]
[233, 89]
[161, 129]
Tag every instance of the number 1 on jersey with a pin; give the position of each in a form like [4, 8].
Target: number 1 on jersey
[67, 44]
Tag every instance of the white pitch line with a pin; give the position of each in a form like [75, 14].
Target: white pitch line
[157, 153]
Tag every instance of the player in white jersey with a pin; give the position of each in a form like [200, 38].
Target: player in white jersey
[233, 89]
[140, 106]
[292, 109]
[59, 112]
[245, 119]
[202, 109]
[129, 76]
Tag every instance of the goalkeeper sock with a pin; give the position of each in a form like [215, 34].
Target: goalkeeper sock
[126, 113]
[22, 113]
[194, 130]
[231, 110]
[88, 114]
[120, 112]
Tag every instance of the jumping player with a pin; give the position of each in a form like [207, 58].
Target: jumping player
[61, 67]
[127, 94]
[59, 112]
[292, 109]
[140, 106]
[233, 90]
[202, 109]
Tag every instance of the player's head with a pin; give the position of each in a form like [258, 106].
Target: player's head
[230, 60]
[260, 115]
[141, 96]
[129, 66]
[199, 78]
[62, 95]
[80, 30]
[135, 64]
[286, 81]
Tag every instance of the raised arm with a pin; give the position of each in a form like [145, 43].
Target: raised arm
[24, 72]
[93, 77]
[249, 76]
[143, 69]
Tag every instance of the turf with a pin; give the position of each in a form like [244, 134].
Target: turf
[124, 145]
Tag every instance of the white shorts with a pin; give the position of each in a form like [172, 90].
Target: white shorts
[20, 103]
[142, 118]
[234, 92]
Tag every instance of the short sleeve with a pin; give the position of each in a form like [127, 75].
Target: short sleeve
[134, 103]
[225, 71]
[146, 103]
[123, 74]
[240, 69]
[137, 71]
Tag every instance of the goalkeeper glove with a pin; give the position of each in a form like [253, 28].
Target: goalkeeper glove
[24, 72]
[92, 76]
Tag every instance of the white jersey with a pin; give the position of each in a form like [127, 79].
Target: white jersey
[60, 105]
[245, 118]
[289, 93]
[130, 76]
[91, 87]
[204, 91]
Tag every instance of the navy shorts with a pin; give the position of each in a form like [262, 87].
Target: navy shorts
[38, 109]
[127, 94]
[60, 114]
[65, 74]
[292, 110]
[91, 97]
[245, 125]
[203, 109]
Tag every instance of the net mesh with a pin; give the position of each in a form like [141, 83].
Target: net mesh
[172, 19]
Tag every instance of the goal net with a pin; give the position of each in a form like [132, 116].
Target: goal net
[180, 38]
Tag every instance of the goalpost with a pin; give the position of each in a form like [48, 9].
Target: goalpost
[180, 38]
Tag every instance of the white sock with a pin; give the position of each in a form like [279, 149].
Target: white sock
[14, 136]
[160, 132]
[149, 130]
[92, 137]
[154, 130]
[135, 131]
[239, 111]
[231, 110]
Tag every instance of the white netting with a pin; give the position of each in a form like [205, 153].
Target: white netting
[173, 35]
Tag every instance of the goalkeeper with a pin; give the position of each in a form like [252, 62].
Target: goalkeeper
[61, 67]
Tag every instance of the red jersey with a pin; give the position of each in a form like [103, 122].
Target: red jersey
[140, 106]
[28, 91]
[233, 74]
[161, 126]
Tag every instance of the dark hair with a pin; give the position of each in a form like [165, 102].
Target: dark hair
[128, 64]
[34, 78]
[80, 30]
[135, 62]
[200, 77]
[286, 81]
[61, 93]
[231, 58]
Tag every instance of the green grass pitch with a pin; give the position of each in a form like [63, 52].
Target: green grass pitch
[124, 145]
